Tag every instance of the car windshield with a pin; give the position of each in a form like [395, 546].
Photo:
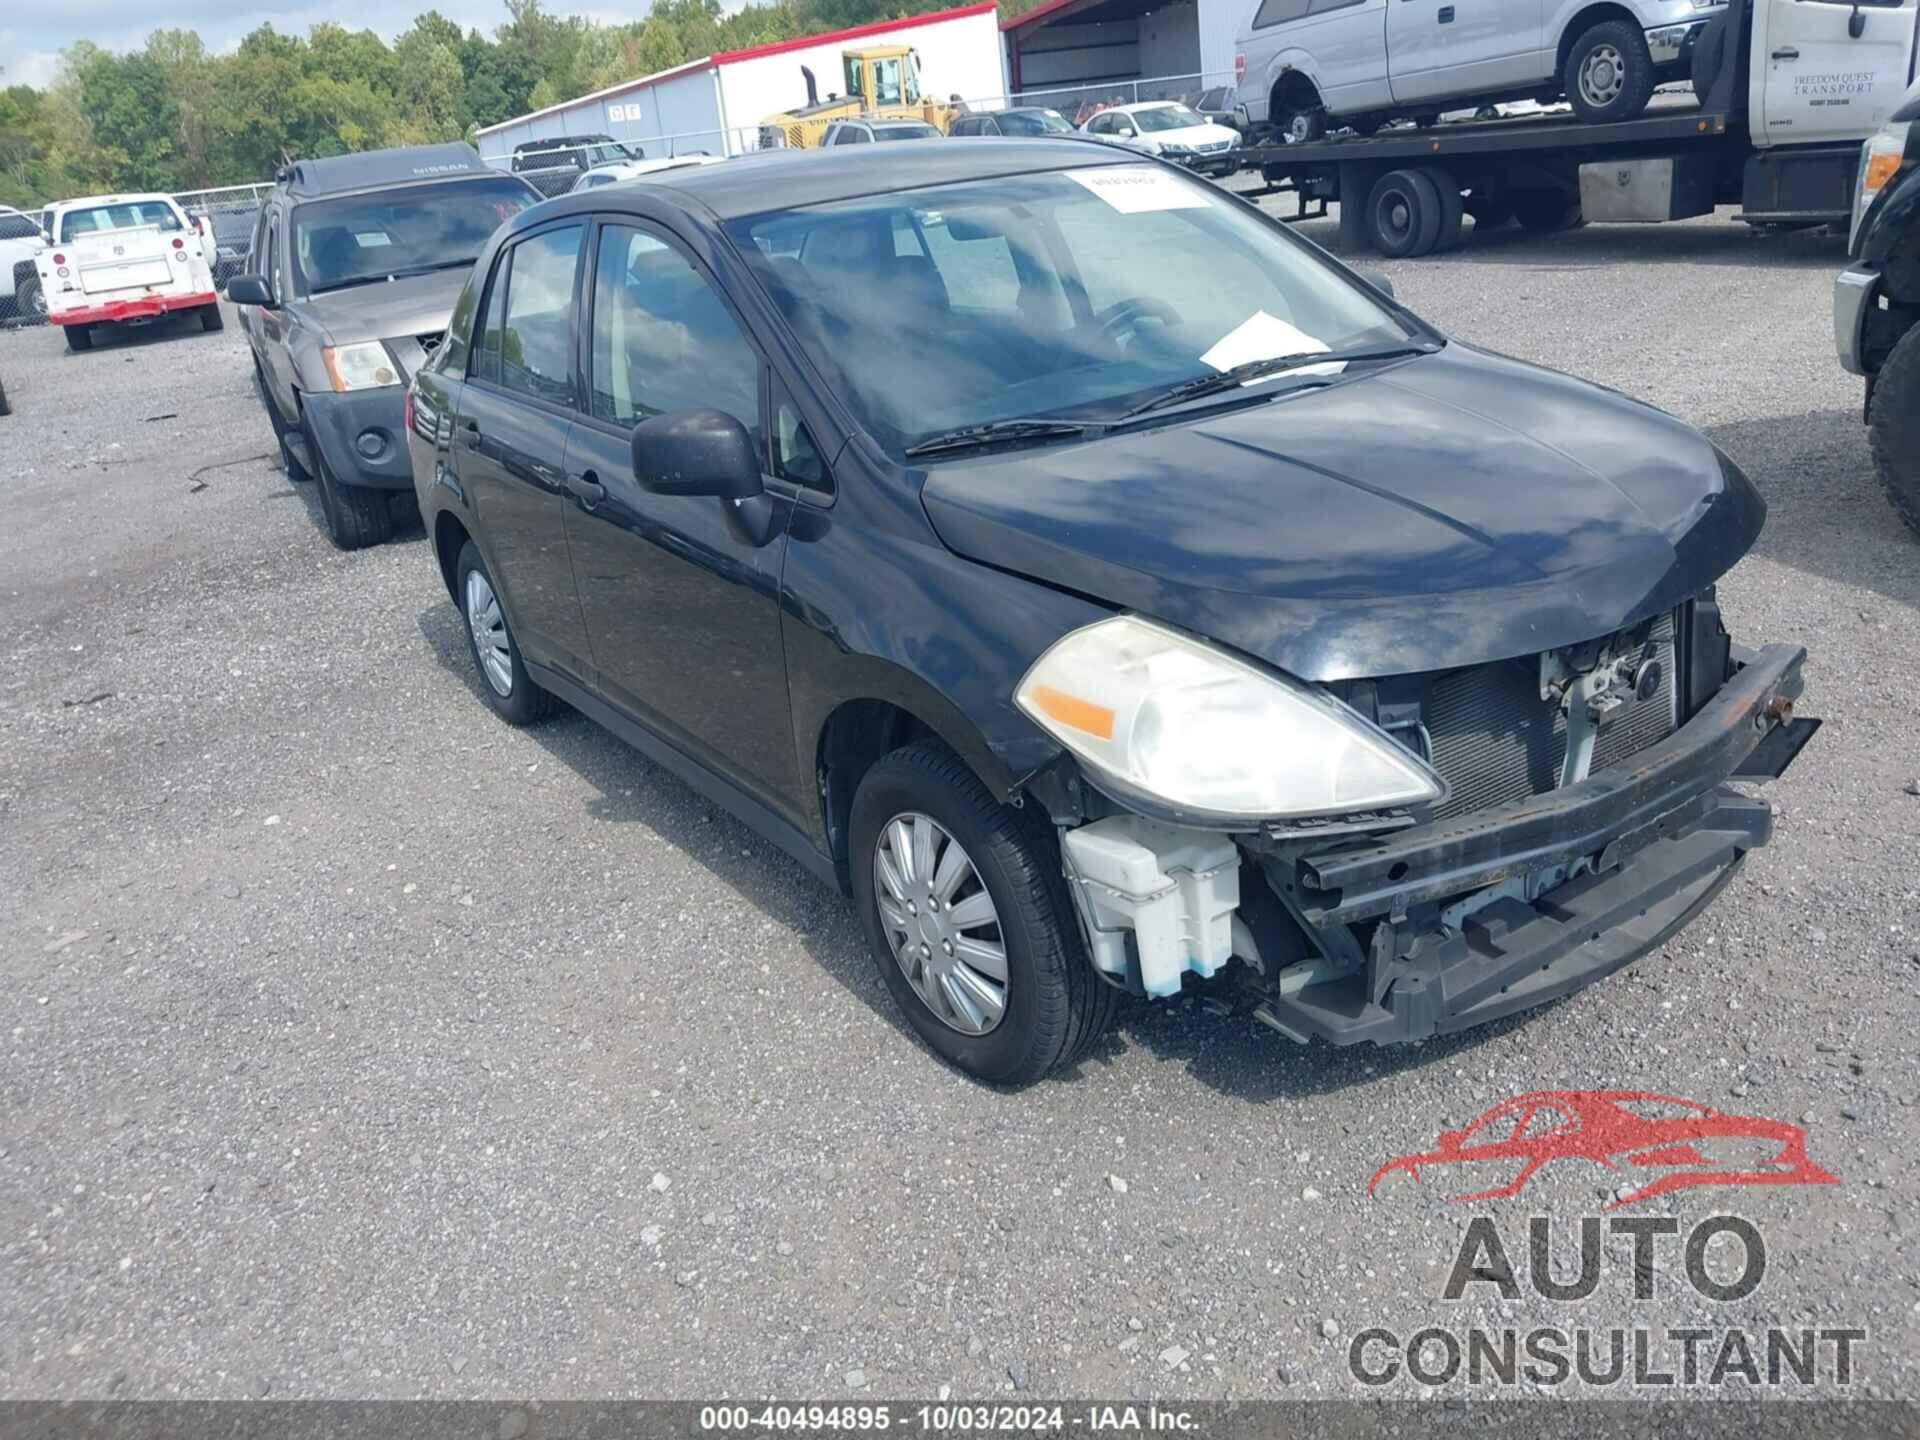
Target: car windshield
[904, 132]
[127, 215]
[1166, 117]
[1034, 122]
[1046, 295]
[405, 231]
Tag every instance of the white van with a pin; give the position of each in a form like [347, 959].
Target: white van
[1360, 63]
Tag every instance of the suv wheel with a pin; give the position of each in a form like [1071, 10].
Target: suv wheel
[504, 682]
[356, 516]
[1893, 427]
[967, 915]
[1609, 73]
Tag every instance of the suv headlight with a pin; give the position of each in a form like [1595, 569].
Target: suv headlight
[1880, 160]
[365, 366]
[1162, 716]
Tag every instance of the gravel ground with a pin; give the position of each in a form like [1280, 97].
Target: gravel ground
[357, 1044]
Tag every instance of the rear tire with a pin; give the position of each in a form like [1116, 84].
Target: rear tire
[5, 409]
[1403, 214]
[79, 337]
[1295, 124]
[210, 317]
[521, 701]
[1452, 207]
[356, 517]
[1054, 1007]
[1609, 73]
[1893, 427]
[30, 301]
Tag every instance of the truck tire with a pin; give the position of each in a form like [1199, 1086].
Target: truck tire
[1052, 1006]
[1893, 427]
[30, 301]
[5, 409]
[1403, 214]
[1609, 73]
[1452, 207]
[1544, 211]
[211, 318]
[1297, 116]
[1489, 212]
[1707, 53]
[79, 337]
[356, 516]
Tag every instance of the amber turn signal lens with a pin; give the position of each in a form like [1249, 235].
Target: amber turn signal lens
[1082, 715]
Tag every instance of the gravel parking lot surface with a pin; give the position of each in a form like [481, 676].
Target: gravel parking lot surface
[356, 1044]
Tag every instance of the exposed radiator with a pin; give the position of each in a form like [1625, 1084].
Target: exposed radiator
[1495, 739]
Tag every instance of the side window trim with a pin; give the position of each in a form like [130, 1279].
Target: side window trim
[477, 347]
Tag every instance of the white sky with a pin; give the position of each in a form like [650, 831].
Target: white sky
[34, 32]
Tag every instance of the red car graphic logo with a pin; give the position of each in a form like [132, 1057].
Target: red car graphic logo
[1627, 1131]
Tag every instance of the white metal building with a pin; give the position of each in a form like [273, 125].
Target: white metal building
[1066, 52]
[716, 104]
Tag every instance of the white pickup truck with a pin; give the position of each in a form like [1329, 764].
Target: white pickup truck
[124, 259]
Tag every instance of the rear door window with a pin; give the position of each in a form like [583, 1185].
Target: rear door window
[536, 333]
[1278, 12]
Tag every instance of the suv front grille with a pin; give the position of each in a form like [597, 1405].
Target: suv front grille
[1494, 739]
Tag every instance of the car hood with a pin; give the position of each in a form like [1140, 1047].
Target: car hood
[418, 305]
[1444, 511]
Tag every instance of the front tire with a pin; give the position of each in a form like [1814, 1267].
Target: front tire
[1609, 73]
[504, 683]
[1893, 427]
[30, 301]
[1707, 53]
[356, 516]
[967, 915]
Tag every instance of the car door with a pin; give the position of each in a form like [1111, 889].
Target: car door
[1814, 79]
[681, 604]
[510, 441]
[1442, 48]
[272, 336]
[1348, 42]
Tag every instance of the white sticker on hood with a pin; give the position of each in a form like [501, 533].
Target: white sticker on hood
[1137, 189]
[1267, 337]
[371, 239]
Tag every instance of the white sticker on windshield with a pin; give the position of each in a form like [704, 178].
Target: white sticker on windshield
[1267, 337]
[370, 239]
[1136, 189]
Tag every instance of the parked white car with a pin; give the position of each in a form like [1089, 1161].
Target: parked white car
[637, 169]
[1361, 63]
[20, 241]
[124, 259]
[1170, 130]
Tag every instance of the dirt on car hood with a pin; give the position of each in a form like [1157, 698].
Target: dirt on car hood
[1448, 510]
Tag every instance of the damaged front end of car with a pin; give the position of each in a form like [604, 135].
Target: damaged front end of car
[1577, 810]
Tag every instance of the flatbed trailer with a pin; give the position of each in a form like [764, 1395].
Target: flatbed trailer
[1404, 191]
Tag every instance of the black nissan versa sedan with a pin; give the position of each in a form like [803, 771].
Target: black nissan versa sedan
[1105, 587]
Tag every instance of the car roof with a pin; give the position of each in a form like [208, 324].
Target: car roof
[783, 179]
[375, 169]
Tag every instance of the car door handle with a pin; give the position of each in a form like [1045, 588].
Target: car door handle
[589, 490]
[470, 434]
[1786, 52]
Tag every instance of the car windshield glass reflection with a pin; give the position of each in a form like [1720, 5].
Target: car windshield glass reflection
[365, 238]
[1050, 295]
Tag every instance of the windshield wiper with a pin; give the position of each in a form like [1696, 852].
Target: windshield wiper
[385, 275]
[999, 432]
[1233, 379]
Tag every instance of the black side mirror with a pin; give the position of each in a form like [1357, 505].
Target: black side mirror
[251, 290]
[696, 452]
[1378, 281]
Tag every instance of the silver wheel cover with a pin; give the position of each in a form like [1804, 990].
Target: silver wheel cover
[940, 923]
[490, 639]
